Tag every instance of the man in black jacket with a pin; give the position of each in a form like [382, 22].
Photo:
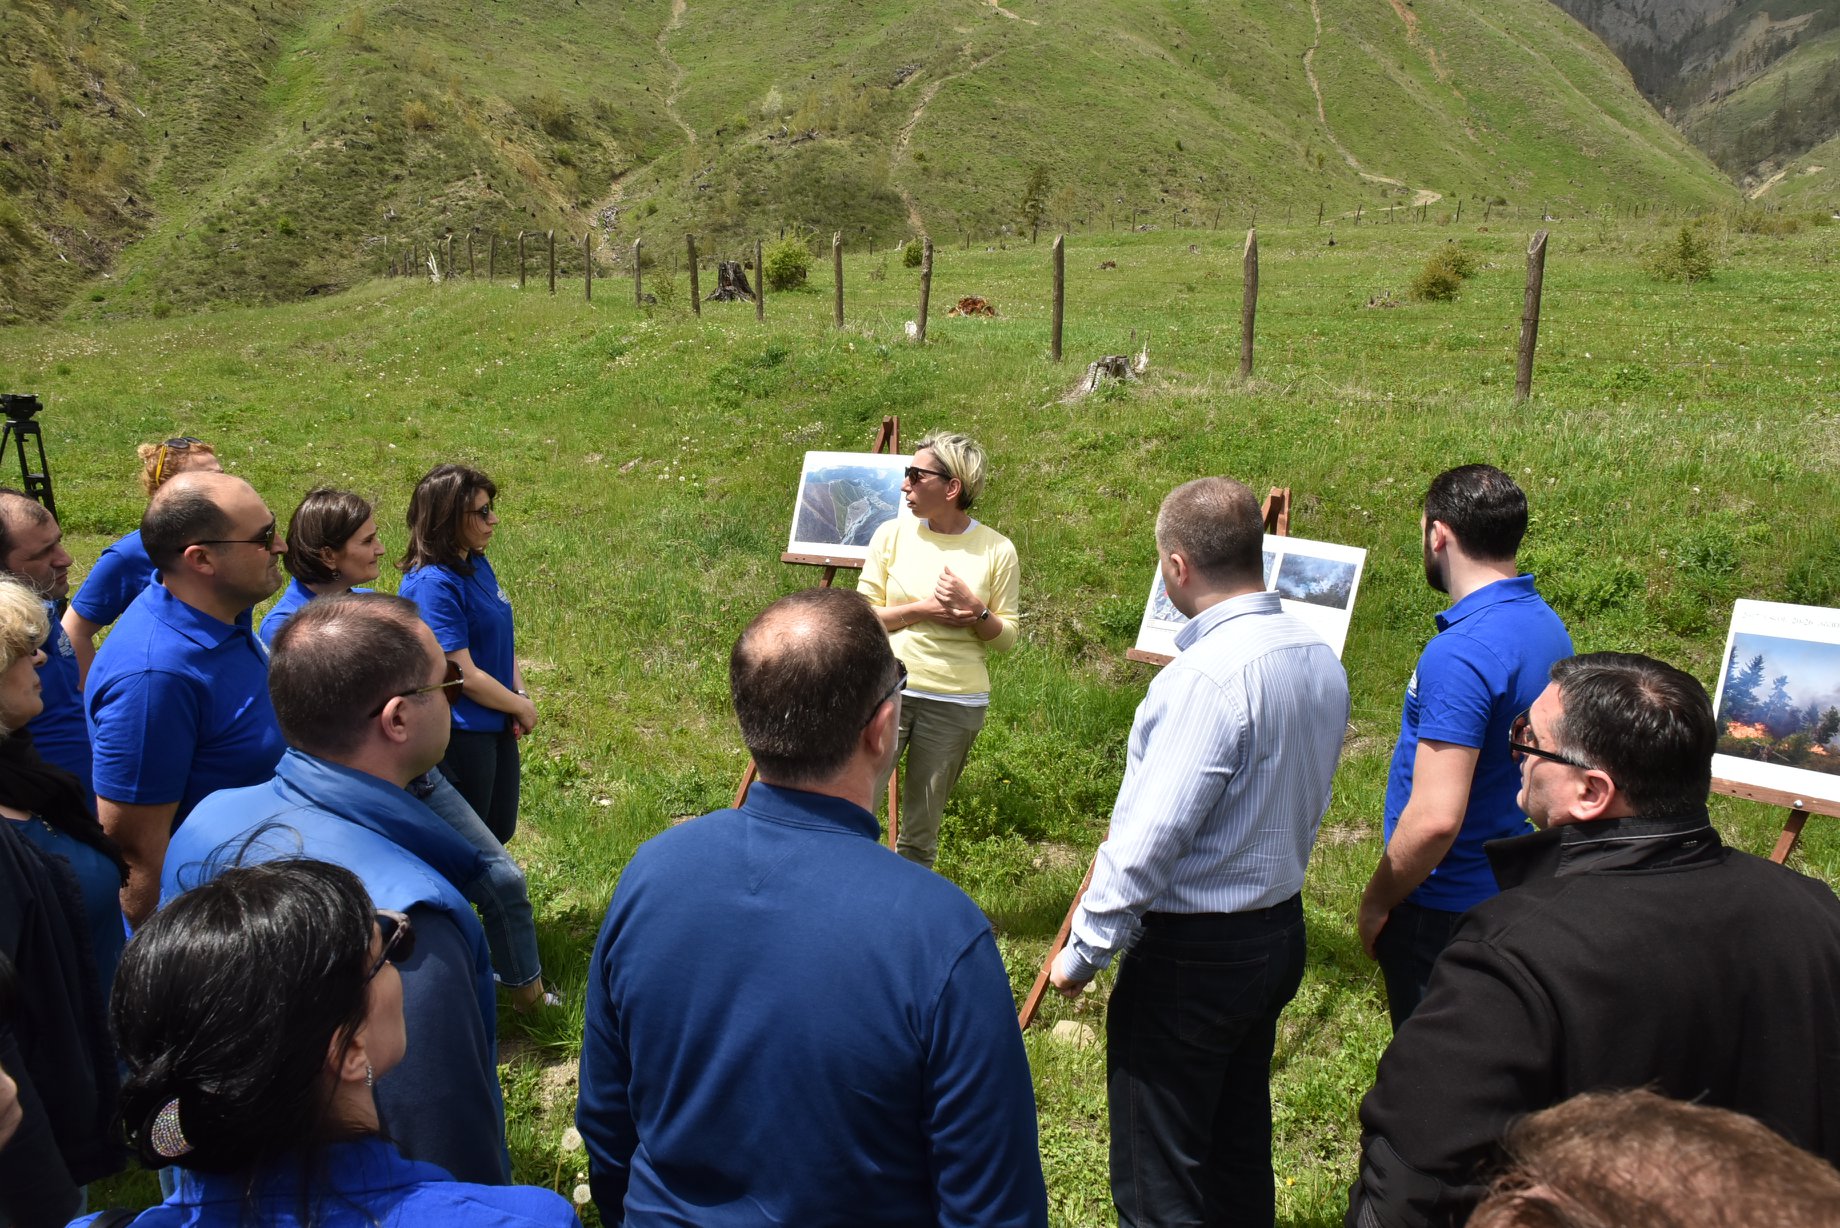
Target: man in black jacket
[1629, 948]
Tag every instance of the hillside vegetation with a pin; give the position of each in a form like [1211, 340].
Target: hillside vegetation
[1755, 83]
[171, 156]
[1681, 450]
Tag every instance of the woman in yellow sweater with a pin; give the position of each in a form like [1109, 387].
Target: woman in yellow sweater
[945, 587]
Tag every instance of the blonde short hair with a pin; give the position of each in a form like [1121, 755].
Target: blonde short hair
[963, 459]
[23, 622]
[161, 462]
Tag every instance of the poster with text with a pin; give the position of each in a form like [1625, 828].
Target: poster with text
[843, 498]
[1316, 581]
[1778, 699]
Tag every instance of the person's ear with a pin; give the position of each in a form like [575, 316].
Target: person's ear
[1597, 792]
[353, 1064]
[395, 719]
[884, 728]
[1180, 573]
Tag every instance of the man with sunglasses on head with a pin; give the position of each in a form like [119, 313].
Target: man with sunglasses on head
[786, 1022]
[1628, 948]
[177, 700]
[1451, 787]
[364, 695]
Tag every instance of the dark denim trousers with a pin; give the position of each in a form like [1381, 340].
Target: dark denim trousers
[1189, 1037]
[484, 767]
[1407, 950]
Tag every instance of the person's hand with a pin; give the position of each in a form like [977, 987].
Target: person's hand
[958, 605]
[1369, 923]
[1065, 986]
[524, 716]
[10, 1112]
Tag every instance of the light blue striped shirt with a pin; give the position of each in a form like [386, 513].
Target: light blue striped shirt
[1231, 758]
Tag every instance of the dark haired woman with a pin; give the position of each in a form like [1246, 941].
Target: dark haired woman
[124, 569]
[445, 572]
[333, 548]
[59, 921]
[254, 1014]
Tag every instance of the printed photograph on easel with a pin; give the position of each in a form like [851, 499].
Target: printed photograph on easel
[1316, 581]
[843, 497]
[1778, 701]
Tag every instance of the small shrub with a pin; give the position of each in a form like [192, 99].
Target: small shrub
[1687, 257]
[879, 271]
[418, 116]
[1443, 276]
[788, 262]
[911, 254]
[565, 156]
[553, 115]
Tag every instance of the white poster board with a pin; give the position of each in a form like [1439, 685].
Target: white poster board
[843, 497]
[1316, 581]
[1778, 701]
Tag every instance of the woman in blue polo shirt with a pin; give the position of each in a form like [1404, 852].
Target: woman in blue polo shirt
[446, 574]
[124, 569]
[333, 548]
[255, 1014]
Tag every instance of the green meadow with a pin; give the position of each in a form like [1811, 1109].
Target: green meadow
[1681, 450]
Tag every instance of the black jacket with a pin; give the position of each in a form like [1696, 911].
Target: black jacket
[1621, 953]
[56, 1043]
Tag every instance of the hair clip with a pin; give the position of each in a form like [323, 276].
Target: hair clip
[166, 1135]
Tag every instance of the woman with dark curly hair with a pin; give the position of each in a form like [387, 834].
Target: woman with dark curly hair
[255, 1014]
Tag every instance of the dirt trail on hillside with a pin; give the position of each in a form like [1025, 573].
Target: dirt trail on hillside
[1420, 196]
[678, 71]
[904, 135]
[1012, 16]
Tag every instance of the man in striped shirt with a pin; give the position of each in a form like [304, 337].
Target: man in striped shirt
[1231, 758]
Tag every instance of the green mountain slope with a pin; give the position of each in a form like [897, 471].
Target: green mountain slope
[271, 149]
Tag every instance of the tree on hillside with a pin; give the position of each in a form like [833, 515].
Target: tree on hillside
[1776, 710]
[1829, 727]
[1035, 197]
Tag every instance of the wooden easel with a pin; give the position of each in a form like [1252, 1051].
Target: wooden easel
[1799, 809]
[1277, 512]
[887, 439]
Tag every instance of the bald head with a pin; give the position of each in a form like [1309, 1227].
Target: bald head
[806, 677]
[191, 507]
[1216, 526]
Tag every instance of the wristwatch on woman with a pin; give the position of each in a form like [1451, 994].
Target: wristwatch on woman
[985, 616]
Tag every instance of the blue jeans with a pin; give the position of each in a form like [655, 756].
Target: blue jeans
[500, 893]
[1190, 1031]
[1407, 950]
[484, 767]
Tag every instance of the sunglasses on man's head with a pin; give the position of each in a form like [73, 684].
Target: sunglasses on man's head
[449, 686]
[915, 473]
[900, 683]
[264, 539]
[398, 941]
[1520, 743]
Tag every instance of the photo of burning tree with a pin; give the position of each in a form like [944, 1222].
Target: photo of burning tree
[1780, 703]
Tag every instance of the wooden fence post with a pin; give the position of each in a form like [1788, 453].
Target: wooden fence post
[837, 272]
[448, 257]
[1459, 211]
[587, 265]
[696, 294]
[1249, 303]
[1319, 208]
[1060, 293]
[760, 284]
[523, 267]
[472, 267]
[492, 258]
[1530, 316]
[552, 262]
[926, 285]
[638, 272]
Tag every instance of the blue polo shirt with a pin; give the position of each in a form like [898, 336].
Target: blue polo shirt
[60, 731]
[470, 612]
[178, 706]
[1489, 661]
[293, 597]
[115, 581]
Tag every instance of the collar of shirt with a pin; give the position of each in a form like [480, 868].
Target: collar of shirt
[387, 809]
[1657, 842]
[1492, 593]
[194, 624]
[1221, 611]
[798, 808]
[364, 1166]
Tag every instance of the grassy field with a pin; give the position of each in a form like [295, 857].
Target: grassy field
[1682, 449]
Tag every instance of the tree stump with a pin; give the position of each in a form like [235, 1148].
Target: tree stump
[731, 284]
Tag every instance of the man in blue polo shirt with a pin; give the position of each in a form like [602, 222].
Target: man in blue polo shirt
[32, 552]
[178, 700]
[1452, 786]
